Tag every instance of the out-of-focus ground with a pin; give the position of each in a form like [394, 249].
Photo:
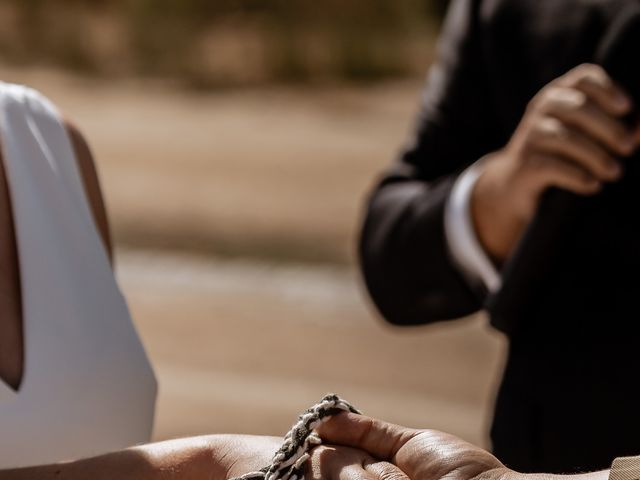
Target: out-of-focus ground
[245, 346]
[236, 213]
[273, 172]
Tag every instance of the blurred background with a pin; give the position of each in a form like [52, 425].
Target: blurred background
[236, 141]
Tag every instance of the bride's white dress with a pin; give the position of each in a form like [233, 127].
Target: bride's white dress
[88, 387]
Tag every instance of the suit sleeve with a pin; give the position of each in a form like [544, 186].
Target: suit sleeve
[403, 249]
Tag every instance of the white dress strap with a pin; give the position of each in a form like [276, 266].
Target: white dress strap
[87, 387]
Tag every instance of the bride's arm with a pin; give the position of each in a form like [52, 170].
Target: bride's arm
[213, 457]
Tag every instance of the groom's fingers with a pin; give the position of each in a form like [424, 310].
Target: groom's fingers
[371, 471]
[385, 471]
[329, 462]
[378, 438]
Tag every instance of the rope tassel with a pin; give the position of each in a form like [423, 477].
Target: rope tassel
[289, 461]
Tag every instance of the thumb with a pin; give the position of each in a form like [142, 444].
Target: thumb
[379, 439]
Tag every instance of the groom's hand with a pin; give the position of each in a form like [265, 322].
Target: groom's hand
[421, 454]
[240, 454]
[343, 463]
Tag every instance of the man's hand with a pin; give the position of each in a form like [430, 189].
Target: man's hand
[212, 457]
[420, 454]
[240, 454]
[570, 137]
[427, 454]
[342, 463]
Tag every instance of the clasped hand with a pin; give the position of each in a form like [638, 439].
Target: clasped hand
[358, 447]
[409, 453]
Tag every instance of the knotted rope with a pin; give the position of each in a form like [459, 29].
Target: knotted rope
[289, 461]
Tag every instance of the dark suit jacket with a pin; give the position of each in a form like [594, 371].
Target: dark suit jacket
[571, 290]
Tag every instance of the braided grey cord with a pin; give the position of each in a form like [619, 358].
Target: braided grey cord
[289, 461]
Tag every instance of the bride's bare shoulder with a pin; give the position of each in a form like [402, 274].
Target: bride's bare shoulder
[88, 171]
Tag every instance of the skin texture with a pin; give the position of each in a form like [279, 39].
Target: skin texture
[427, 454]
[207, 457]
[342, 463]
[214, 457]
[571, 136]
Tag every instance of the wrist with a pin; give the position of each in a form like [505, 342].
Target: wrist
[181, 459]
[500, 209]
[235, 455]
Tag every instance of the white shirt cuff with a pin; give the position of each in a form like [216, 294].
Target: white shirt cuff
[464, 246]
[625, 468]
